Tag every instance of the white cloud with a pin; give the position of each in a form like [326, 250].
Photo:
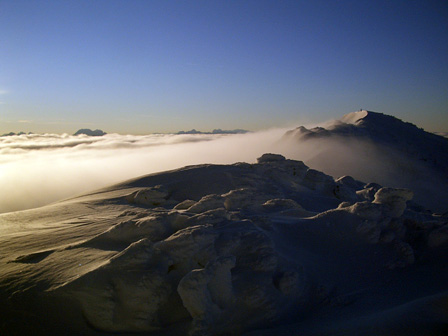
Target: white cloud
[38, 169]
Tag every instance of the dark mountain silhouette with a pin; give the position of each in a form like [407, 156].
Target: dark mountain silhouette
[215, 131]
[89, 132]
[382, 148]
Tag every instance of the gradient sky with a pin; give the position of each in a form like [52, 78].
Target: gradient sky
[161, 66]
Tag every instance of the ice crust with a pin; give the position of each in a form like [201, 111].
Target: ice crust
[217, 250]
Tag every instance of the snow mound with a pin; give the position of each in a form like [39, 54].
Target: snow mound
[214, 250]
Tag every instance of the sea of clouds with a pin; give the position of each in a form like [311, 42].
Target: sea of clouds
[38, 169]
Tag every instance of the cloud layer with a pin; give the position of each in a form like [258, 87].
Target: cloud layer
[39, 169]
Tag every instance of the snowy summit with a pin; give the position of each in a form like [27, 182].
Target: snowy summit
[378, 147]
[273, 247]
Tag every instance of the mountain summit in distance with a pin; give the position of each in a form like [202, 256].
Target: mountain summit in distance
[389, 129]
[89, 132]
[215, 131]
[379, 127]
[378, 147]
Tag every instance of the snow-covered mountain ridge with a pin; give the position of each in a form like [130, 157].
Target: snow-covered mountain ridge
[257, 248]
[377, 147]
[388, 130]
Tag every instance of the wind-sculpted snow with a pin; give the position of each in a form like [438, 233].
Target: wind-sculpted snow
[268, 248]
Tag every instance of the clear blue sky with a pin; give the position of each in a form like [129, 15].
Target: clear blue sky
[160, 66]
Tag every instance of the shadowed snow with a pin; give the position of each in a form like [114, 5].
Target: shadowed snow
[272, 247]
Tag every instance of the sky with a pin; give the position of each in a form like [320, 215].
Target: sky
[138, 67]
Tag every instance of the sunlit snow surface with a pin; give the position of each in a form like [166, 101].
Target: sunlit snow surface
[271, 248]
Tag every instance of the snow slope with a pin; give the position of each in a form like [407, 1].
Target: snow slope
[268, 248]
[381, 148]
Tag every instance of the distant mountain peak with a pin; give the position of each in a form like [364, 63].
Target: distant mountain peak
[378, 127]
[89, 132]
[416, 159]
[215, 131]
[365, 117]
[12, 133]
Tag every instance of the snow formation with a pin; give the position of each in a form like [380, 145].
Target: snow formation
[268, 248]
